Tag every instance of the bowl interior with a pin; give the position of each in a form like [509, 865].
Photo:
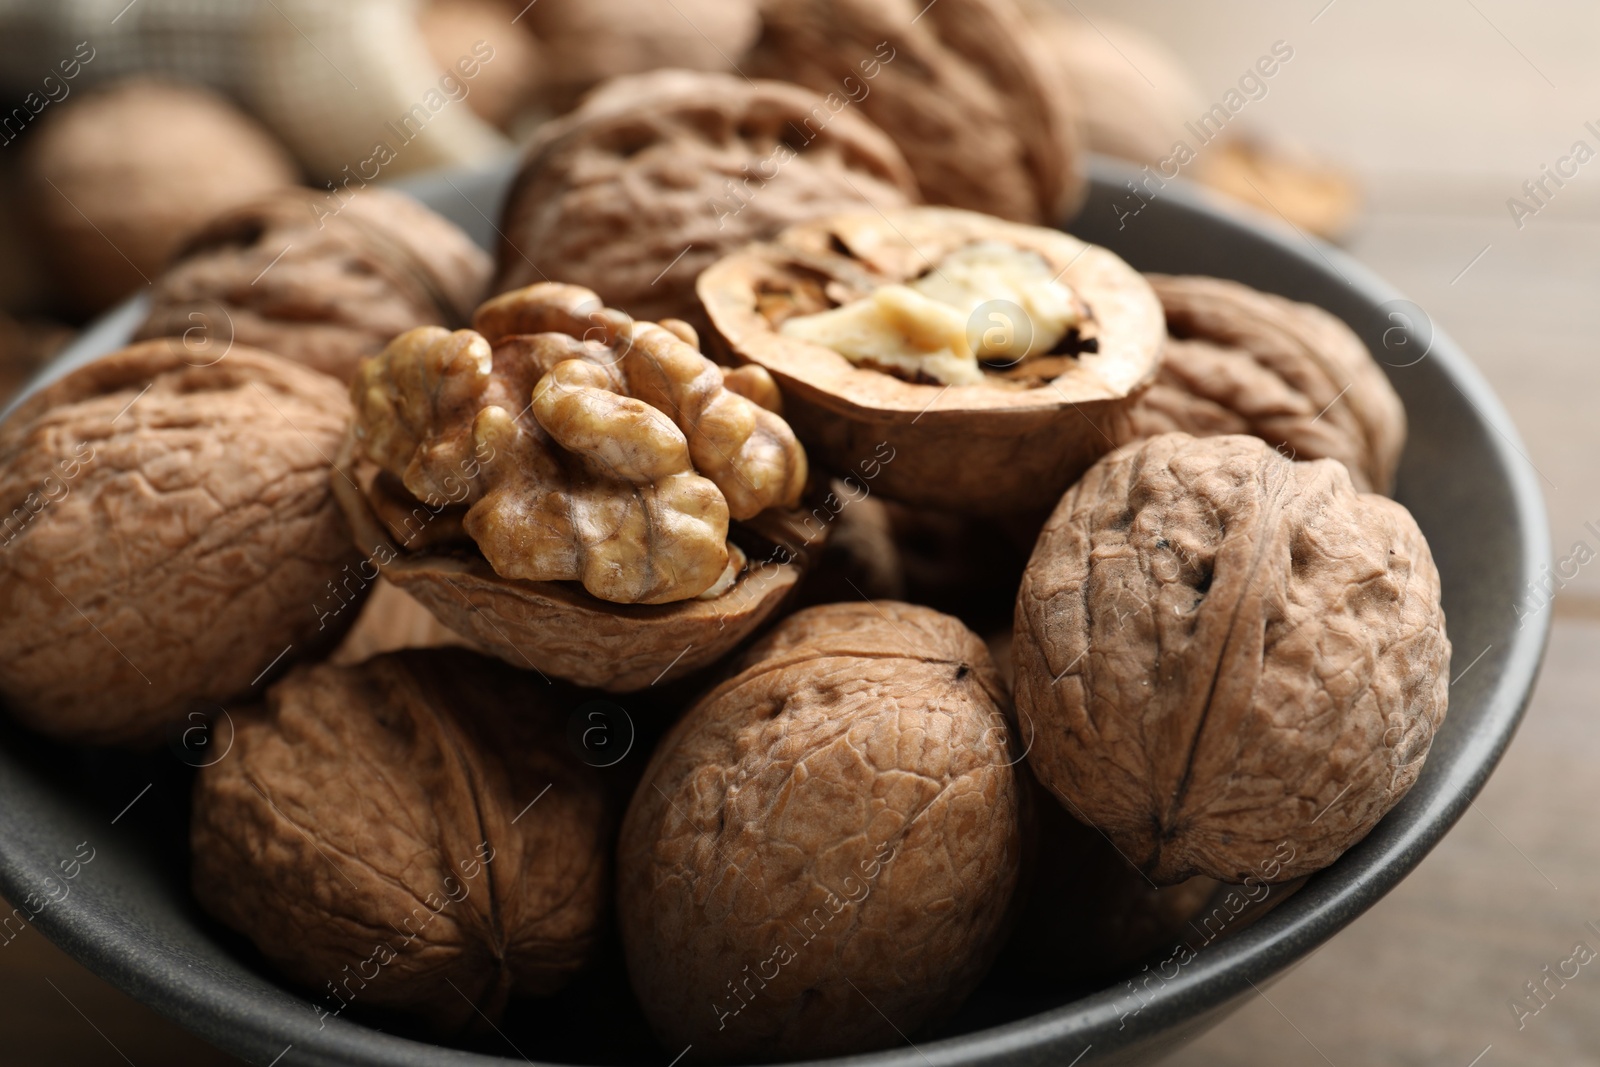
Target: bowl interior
[129, 917]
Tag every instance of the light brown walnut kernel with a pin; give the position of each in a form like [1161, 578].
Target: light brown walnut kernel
[1221, 652]
[169, 533]
[379, 821]
[840, 815]
[586, 447]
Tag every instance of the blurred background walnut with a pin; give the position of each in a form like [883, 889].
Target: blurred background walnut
[964, 87]
[656, 176]
[587, 41]
[116, 181]
[320, 278]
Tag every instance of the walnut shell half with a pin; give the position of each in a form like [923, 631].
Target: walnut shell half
[657, 176]
[320, 277]
[168, 535]
[1243, 361]
[1001, 445]
[1221, 652]
[387, 831]
[821, 855]
[964, 87]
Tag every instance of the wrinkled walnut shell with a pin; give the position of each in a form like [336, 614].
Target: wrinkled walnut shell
[176, 534]
[386, 831]
[317, 277]
[1243, 361]
[848, 797]
[964, 87]
[656, 177]
[1220, 651]
[979, 448]
[587, 41]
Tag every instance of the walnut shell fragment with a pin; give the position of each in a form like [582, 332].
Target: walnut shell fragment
[657, 176]
[1243, 361]
[1013, 439]
[374, 832]
[168, 535]
[322, 278]
[964, 87]
[827, 841]
[558, 486]
[1222, 651]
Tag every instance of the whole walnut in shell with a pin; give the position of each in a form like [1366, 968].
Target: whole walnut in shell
[587, 41]
[826, 842]
[964, 87]
[1243, 361]
[1220, 651]
[1131, 90]
[561, 482]
[878, 327]
[496, 91]
[387, 831]
[657, 176]
[117, 180]
[321, 278]
[168, 534]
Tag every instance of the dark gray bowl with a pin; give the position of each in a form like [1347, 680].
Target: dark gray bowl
[128, 916]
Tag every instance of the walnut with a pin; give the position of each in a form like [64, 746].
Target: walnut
[113, 185]
[594, 463]
[322, 278]
[826, 842]
[169, 535]
[587, 41]
[1242, 361]
[1284, 181]
[1221, 651]
[392, 620]
[385, 832]
[861, 372]
[1132, 91]
[657, 176]
[965, 88]
[497, 91]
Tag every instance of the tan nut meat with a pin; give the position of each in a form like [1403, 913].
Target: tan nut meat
[373, 832]
[1221, 652]
[571, 444]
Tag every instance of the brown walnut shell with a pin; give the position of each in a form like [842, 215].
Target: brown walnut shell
[1243, 361]
[169, 531]
[115, 180]
[588, 41]
[827, 841]
[976, 448]
[385, 832]
[1221, 651]
[1131, 90]
[319, 277]
[656, 177]
[964, 87]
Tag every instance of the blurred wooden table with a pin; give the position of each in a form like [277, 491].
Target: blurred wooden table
[1446, 108]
